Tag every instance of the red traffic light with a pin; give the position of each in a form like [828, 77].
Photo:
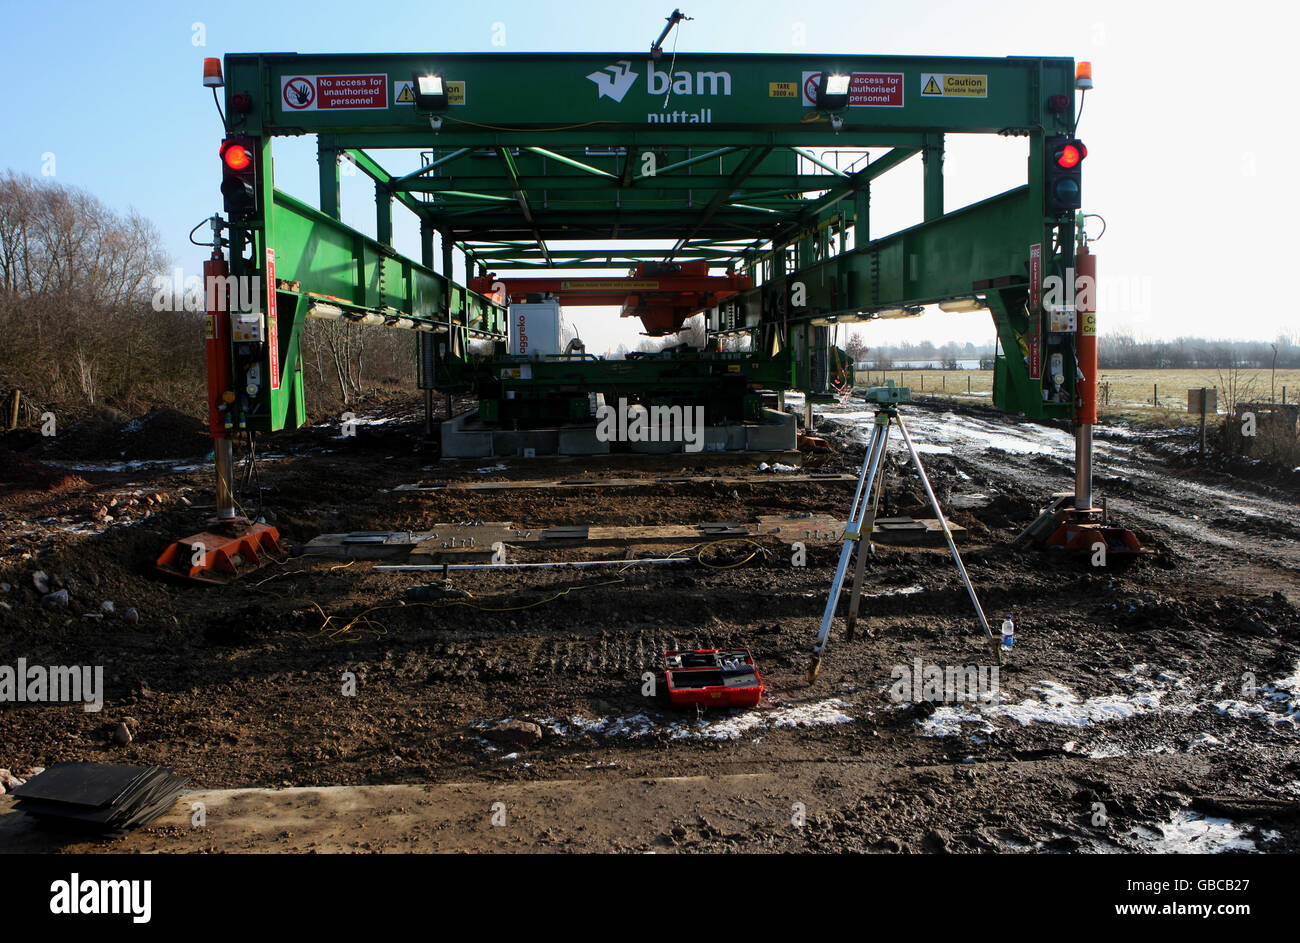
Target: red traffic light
[1071, 154]
[236, 156]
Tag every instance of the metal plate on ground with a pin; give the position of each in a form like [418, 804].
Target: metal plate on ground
[462, 543]
[911, 532]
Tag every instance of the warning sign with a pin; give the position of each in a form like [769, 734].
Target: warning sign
[404, 94]
[300, 92]
[1035, 355]
[782, 90]
[876, 88]
[1035, 276]
[940, 85]
[866, 89]
[334, 92]
[272, 328]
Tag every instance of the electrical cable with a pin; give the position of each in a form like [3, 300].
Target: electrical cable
[730, 566]
[206, 245]
[672, 62]
[216, 101]
[252, 477]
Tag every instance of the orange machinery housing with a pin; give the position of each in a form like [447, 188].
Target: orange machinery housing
[662, 294]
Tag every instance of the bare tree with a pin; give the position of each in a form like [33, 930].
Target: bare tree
[856, 347]
[75, 318]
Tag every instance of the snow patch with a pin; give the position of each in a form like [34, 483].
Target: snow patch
[1059, 706]
[728, 726]
[946, 722]
[1279, 702]
[1189, 833]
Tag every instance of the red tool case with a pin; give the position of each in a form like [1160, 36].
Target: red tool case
[712, 677]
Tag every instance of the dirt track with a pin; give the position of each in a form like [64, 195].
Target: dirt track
[1123, 721]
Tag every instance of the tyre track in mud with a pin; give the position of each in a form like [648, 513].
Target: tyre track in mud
[1254, 521]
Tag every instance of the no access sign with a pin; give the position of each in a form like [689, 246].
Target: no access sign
[866, 89]
[333, 92]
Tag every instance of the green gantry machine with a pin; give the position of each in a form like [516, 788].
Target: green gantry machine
[732, 157]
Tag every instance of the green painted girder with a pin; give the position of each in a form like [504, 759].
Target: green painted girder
[554, 207]
[502, 264]
[574, 162]
[815, 135]
[628, 256]
[616, 90]
[587, 184]
[926, 263]
[399, 182]
[328, 258]
[372, 169]
[549, 108]
[593, 223]
[688, 161]
[846, 186]
[986, 242]
[488, 250]
[540, 169]
[521, 196]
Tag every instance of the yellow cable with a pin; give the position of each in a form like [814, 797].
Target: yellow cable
[274, 576]
[726, 540]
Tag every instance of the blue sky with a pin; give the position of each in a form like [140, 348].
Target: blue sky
[1189, 129]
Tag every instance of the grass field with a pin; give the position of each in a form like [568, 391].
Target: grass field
[1144, 397]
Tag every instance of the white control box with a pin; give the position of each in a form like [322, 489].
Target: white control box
[247, 327]
[1062, 320]
[538, 329]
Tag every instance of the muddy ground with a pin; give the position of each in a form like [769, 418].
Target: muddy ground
[1152, 706]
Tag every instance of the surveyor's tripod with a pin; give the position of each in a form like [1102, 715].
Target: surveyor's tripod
[862, 519]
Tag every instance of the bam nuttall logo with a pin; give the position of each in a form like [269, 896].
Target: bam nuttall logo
[614, 81]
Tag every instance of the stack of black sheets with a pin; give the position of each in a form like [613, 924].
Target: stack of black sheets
[100, 797]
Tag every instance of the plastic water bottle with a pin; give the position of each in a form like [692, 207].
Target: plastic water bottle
[1008, 633]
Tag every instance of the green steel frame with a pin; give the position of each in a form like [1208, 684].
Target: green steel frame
[714, 157]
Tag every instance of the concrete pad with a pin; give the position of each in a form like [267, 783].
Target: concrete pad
[729, 438]
[657, 448]
[460, 442]
[778, 433]
[465, 437]
[581, 440]
[514, 442]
